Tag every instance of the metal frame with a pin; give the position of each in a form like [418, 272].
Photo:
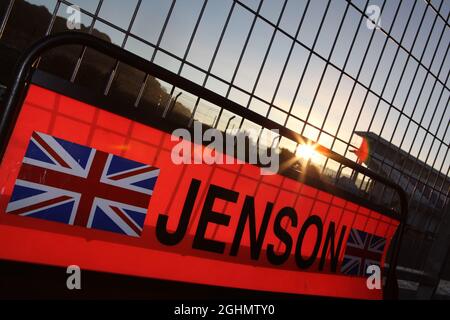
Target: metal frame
[237, 3]
[420, 15]
[23, 78]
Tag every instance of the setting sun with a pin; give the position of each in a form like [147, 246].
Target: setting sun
[307, 152]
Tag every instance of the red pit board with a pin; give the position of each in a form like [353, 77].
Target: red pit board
[204, 254]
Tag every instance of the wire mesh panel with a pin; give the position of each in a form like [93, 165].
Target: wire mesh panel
[366, 79]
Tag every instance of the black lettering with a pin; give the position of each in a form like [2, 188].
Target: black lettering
[173, 238]
[334, 252]
[256, 241]
[209, 216]
[283, 235]
[306, 263]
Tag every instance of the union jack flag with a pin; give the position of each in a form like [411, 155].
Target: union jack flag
[363, 249]
[73, 184]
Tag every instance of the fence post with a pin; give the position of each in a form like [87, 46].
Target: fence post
[436, 259]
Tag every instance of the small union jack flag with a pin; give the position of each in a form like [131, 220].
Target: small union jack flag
[73, 184]
[363, 249]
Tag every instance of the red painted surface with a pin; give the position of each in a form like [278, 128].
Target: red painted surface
[45, 242]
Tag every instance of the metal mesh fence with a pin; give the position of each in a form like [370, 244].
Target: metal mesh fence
[336, 72]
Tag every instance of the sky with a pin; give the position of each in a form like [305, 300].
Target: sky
[149, 23]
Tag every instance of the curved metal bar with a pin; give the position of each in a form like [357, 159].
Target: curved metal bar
[17, 90]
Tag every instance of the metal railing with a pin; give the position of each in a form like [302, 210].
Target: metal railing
[396, 76]
[17, 92]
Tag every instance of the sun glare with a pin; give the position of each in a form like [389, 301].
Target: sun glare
[307, 152]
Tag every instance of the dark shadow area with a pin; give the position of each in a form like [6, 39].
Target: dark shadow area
[30, 281]
[94, 70]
